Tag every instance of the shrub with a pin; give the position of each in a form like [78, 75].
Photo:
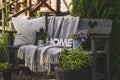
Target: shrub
[5, 66]
[103, 9]
[3, 48]
[74, 59]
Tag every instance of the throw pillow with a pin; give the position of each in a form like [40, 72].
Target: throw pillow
[26, 29]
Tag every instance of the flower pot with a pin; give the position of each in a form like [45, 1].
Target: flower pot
[83, 74]
[76, 44]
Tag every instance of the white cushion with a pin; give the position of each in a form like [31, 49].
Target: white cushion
[26, 29]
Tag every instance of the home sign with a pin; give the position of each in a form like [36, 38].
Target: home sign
[61, 42]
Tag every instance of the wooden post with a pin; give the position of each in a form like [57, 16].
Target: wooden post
[3, 18]
[93, 51]
[107, 60]
[66, 5]
[58, 2]
[29, 10]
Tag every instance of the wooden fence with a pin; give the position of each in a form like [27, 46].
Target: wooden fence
[12, 9]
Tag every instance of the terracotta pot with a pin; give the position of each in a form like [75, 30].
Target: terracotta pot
[76, 44]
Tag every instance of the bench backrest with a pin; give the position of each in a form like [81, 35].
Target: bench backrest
[96, 26]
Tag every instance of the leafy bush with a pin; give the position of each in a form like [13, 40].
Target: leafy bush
[5, 66]
[39, 14]
[103, 9]
[93, 8]
[3, 47]
[74, 59]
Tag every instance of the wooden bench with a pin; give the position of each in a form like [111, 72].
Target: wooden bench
[98, 29]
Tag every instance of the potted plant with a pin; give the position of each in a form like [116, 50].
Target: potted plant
[79, 37]
[5, 68]
[74, 65]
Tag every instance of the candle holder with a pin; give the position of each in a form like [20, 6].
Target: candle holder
[40, 37]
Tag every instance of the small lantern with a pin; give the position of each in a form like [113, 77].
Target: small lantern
[40, 37]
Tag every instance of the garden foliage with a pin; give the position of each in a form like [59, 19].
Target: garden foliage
[109, 9]
[74, 59]
[3, 47]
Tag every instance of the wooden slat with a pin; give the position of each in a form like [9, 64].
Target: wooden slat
[8, 5]
[58, 3]
[39, 5]
[18, 13]
[66, 5]
[50, 8]
[29, 5]
[102, 26]
[44, 2]
[3, 19]
[93, 51]
[107, 59]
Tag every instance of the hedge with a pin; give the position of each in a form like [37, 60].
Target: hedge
[109, 9]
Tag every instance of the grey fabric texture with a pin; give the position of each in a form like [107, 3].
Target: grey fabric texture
[62, 27]
[20, 40]
[39, 58]
[54, 26]
[26, 53]
[26, 29]
[69, 27]
[58, 27]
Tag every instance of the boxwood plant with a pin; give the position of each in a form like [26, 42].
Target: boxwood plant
[74, 59]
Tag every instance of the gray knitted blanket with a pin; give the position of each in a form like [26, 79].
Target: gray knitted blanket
[39, 58]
